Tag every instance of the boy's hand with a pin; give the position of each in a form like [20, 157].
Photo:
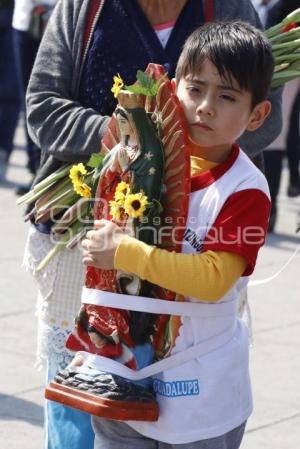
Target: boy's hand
[100, 245]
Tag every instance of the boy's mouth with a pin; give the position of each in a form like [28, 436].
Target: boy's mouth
[202, 125]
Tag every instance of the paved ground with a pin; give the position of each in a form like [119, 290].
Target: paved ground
[275, 356]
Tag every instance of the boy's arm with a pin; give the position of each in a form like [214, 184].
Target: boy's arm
[230, 249]
[208, 276]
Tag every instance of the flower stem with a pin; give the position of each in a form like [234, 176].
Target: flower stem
[60, 245]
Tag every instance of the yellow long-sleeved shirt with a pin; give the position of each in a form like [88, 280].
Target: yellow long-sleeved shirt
[207, 276]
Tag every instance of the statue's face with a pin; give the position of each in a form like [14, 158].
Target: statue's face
[98, 341]
[125, 128]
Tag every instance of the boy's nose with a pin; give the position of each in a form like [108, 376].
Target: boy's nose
[206, 107]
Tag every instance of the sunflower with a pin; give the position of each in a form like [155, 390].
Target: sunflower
[77, 173]
[118, 84]
[122, 190]
[115, 210]
[83, 189]
[135, 205]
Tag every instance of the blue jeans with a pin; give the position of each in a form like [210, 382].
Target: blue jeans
[65, 427]
[9, 94]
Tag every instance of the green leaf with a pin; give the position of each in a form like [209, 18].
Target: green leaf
[95, 160]
[144, 79]
[145, 85]
[153, 90]
[137, 89]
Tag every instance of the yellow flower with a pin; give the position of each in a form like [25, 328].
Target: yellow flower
[83, 189]
[77, 173]
[115, 210]
[122, 190]
[118, 84]
[135, 205]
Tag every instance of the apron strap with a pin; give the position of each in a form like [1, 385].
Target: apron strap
[158, 306]
[109, 365]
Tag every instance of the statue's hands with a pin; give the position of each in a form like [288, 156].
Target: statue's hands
[100, 244]
[123, 159]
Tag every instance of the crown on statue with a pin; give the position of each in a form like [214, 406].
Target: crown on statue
[129, 100]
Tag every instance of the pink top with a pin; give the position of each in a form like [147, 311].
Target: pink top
[163, 26]
[163, 31]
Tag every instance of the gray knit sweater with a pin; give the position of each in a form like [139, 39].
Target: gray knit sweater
[66, 131]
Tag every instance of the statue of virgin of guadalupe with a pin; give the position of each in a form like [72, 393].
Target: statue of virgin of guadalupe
[144, 162]
[136, 161]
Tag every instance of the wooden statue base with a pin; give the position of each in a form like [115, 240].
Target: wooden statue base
[102, 407]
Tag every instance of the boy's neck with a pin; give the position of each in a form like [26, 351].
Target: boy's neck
[161, 11]
[213, 154]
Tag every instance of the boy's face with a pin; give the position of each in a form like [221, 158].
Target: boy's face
[217, 111]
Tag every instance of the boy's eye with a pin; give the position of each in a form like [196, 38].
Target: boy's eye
[192, 88]
[227, 97]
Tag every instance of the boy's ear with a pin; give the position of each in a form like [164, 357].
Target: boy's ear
[173, 84]
[259, 115]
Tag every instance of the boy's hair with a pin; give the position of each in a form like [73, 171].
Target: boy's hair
[237, 49]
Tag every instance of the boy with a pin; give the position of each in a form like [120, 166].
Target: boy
[222, 81]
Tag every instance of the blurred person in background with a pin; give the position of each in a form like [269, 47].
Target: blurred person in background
[9, 96]
[293, 147]
[288, 141]
[29, 21]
